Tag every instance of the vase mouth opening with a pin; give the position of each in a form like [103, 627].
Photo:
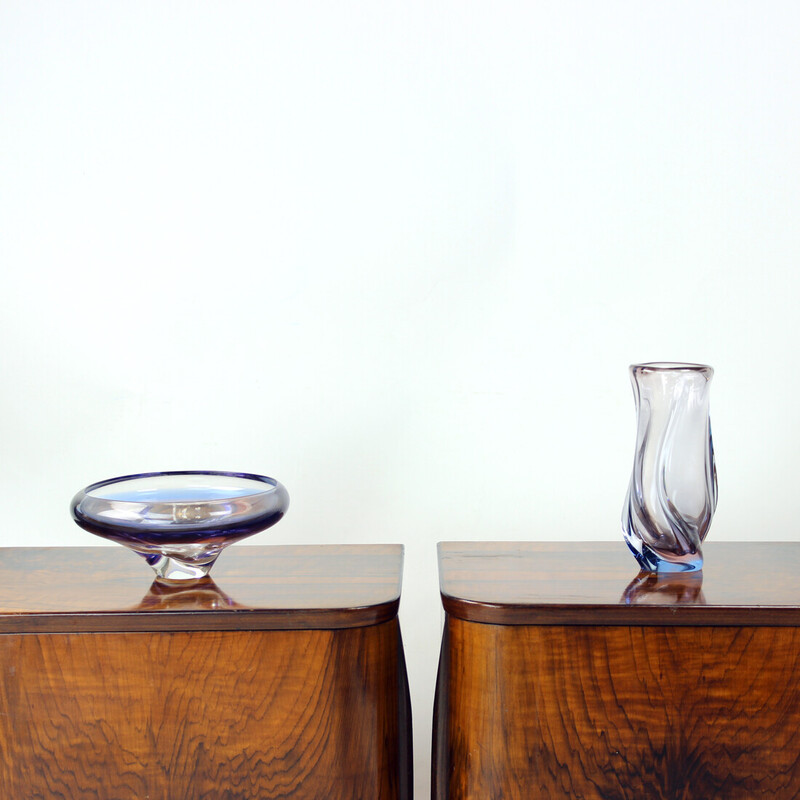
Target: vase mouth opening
[672, 366]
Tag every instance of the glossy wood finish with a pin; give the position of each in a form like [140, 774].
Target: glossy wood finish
[618, 713]
[253, 588]
[222, 714]
[596, 583]
[266, 713]
[528, 707]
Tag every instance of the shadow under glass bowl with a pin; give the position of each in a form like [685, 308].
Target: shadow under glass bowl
[179, 522]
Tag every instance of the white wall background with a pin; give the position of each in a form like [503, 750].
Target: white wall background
[398, 255]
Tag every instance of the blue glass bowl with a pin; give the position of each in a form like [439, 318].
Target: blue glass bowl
[179, 522]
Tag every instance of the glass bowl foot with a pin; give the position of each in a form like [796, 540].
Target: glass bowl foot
[169, 568]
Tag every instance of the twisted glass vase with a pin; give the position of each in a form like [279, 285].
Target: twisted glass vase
[673, 489]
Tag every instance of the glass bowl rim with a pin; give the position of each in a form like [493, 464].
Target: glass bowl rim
[271, 483]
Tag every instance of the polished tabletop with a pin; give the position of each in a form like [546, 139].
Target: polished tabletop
[598, 583]
[279, 587]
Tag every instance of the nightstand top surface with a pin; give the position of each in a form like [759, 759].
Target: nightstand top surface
[596, 583]
[277, 587]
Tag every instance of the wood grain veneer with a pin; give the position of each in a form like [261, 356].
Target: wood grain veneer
[562, 677]
[617, 713]
[282, 715]
[283, 680]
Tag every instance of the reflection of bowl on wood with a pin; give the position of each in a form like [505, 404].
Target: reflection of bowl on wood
[198, 595]
[179, 522]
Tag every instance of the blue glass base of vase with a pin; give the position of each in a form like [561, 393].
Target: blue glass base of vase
[651, 561]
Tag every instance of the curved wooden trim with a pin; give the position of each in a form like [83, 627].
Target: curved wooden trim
[563, 614]
[143, 621]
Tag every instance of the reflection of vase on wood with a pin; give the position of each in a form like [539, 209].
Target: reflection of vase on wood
[673, 489]
[676, 588]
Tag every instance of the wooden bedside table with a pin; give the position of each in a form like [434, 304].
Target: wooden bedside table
[283, 677]
[562, 675]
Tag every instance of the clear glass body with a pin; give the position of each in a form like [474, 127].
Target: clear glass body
[673, 488]
[179, 522]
